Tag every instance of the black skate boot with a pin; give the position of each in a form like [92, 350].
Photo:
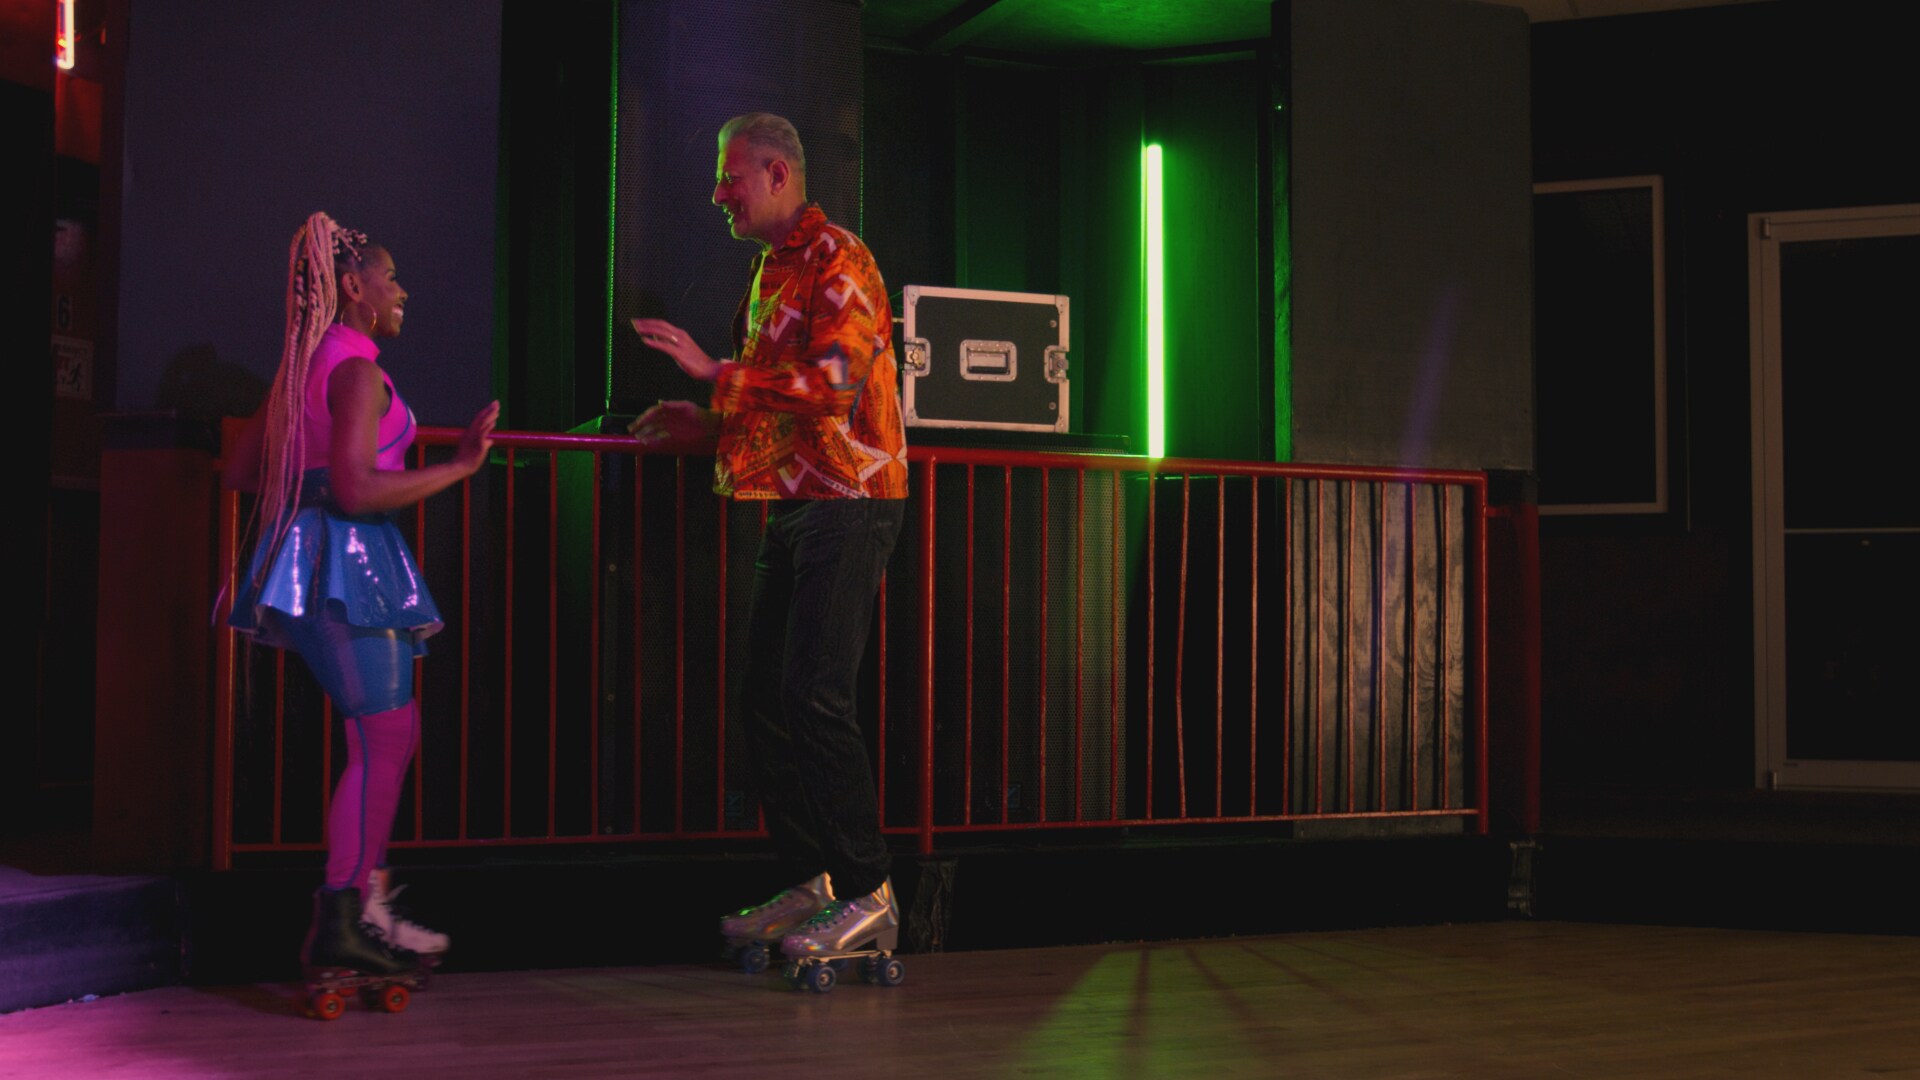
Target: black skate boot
[339, 954]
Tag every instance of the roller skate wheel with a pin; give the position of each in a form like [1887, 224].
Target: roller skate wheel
[883, 971]
[820, 978]
[754, 959]
[792, 973]
[394, 997]
[326, 1005]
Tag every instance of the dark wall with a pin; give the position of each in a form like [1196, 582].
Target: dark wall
[1025, 177]
[241, 119]
[26, 236]
[1408, 261]
[686, 67]
[551, 305]
[1206, 118]
[909, 183]
[1410, 206]
[1647, 621]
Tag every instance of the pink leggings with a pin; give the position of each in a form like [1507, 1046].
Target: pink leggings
[360, 819]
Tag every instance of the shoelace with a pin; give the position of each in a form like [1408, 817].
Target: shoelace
[827, 916]
[379, 937]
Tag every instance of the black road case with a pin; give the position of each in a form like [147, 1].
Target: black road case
[974, 358]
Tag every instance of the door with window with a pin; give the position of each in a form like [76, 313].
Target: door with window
[1836, 455]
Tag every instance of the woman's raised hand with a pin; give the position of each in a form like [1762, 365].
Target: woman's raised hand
[477, 440]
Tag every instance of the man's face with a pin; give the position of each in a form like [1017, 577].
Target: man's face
[742, 187]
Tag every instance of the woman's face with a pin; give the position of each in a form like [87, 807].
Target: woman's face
[380, 289]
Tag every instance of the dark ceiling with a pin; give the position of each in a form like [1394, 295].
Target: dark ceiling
[1056, 27]
[1063, 26]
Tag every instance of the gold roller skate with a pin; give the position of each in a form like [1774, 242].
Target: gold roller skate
[865, 929]
[751, 932]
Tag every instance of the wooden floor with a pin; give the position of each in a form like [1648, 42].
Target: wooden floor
[1512, 999]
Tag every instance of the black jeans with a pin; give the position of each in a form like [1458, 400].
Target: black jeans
[813, 596]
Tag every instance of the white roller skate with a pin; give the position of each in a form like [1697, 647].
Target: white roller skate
[394, 927]
[866, 929]
[751, 932]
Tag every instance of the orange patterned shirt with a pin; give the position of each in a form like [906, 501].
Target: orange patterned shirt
[810, 405]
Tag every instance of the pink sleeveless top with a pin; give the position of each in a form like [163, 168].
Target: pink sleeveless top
[342, 342]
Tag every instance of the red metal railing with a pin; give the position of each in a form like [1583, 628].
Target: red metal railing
[1092, 642]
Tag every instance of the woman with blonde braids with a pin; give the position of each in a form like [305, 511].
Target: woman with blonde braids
[332, 577]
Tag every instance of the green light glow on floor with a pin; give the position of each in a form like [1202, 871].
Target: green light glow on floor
[1153, 268]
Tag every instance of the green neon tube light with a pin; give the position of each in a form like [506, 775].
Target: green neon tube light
[1153, 271]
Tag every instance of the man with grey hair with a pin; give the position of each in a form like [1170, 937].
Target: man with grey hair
[805, 416]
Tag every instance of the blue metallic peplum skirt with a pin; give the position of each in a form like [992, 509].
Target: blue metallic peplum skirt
[357, 568]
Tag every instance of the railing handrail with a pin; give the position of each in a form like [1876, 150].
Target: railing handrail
[1056, 459]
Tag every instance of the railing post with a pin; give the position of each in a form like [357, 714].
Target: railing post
[927, 494]
[227, 528]
[1481, 689]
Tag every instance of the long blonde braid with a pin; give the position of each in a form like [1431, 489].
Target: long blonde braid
[321, 249]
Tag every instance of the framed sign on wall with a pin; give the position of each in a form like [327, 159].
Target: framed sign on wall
[1600, 346]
